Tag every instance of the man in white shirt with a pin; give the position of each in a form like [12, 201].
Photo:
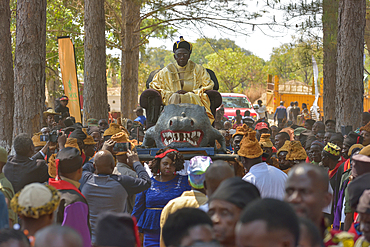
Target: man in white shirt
[262, 111]
[288, 111]
[269, 180]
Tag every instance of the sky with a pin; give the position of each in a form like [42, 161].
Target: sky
[260, 41]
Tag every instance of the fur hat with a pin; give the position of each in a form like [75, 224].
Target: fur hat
[265, 141]
[36, 140]
[241, 130]
[89, 140]
[284, 148]
[366, 127]
[249, 146]
[296, 151]
[72, 142]
[113, 129]
[122, 137]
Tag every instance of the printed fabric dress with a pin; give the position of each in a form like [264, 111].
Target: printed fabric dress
[149, 204]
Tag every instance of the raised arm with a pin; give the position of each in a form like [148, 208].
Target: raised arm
[139, 184]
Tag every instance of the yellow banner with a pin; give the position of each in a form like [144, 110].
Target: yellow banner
[69, 75]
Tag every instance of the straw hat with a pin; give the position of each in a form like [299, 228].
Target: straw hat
[50, 112]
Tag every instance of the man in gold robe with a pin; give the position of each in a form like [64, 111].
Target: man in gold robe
[184, 81]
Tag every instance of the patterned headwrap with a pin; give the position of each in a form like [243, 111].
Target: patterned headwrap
[333, 150]
[197, 169]
[182, 44]
[35, 200]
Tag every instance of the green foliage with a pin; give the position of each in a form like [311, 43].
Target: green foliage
[236, 71]
[161, 56]
[294, 61]
[113, 71]
[157, 56]
[206, 46]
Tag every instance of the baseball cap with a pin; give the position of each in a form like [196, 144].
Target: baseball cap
[261, 125]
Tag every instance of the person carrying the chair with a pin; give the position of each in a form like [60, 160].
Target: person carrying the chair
[184, 81]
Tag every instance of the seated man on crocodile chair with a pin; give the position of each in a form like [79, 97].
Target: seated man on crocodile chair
[184, 81]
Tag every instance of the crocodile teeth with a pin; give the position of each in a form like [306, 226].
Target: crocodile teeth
[193, 137]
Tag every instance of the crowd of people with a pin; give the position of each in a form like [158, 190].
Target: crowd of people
[291, 185]
[297, 183]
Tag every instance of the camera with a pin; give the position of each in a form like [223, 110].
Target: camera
[52, 136]
[122, 146]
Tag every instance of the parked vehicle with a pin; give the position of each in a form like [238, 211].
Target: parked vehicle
[237, 101]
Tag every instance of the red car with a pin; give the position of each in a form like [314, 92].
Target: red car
[237, 101]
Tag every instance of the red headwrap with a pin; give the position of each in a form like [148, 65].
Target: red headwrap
[136, 231]
[57, 168]
[160, 156]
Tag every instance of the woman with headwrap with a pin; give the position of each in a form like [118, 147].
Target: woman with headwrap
[166, 185]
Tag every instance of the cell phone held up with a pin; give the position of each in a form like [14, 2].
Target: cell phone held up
[122, 147]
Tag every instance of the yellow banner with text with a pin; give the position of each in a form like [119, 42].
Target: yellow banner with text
[69, 76]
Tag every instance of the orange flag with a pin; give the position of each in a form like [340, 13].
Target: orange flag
[69, 75]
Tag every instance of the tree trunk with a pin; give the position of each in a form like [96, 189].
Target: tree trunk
[6, 78]
[51, 83]
[330, 29]
[367, 27]
[95, 80]
[130, 57]
[350, 68]
[29, 66]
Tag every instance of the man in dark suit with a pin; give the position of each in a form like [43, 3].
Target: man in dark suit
[25, 167]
